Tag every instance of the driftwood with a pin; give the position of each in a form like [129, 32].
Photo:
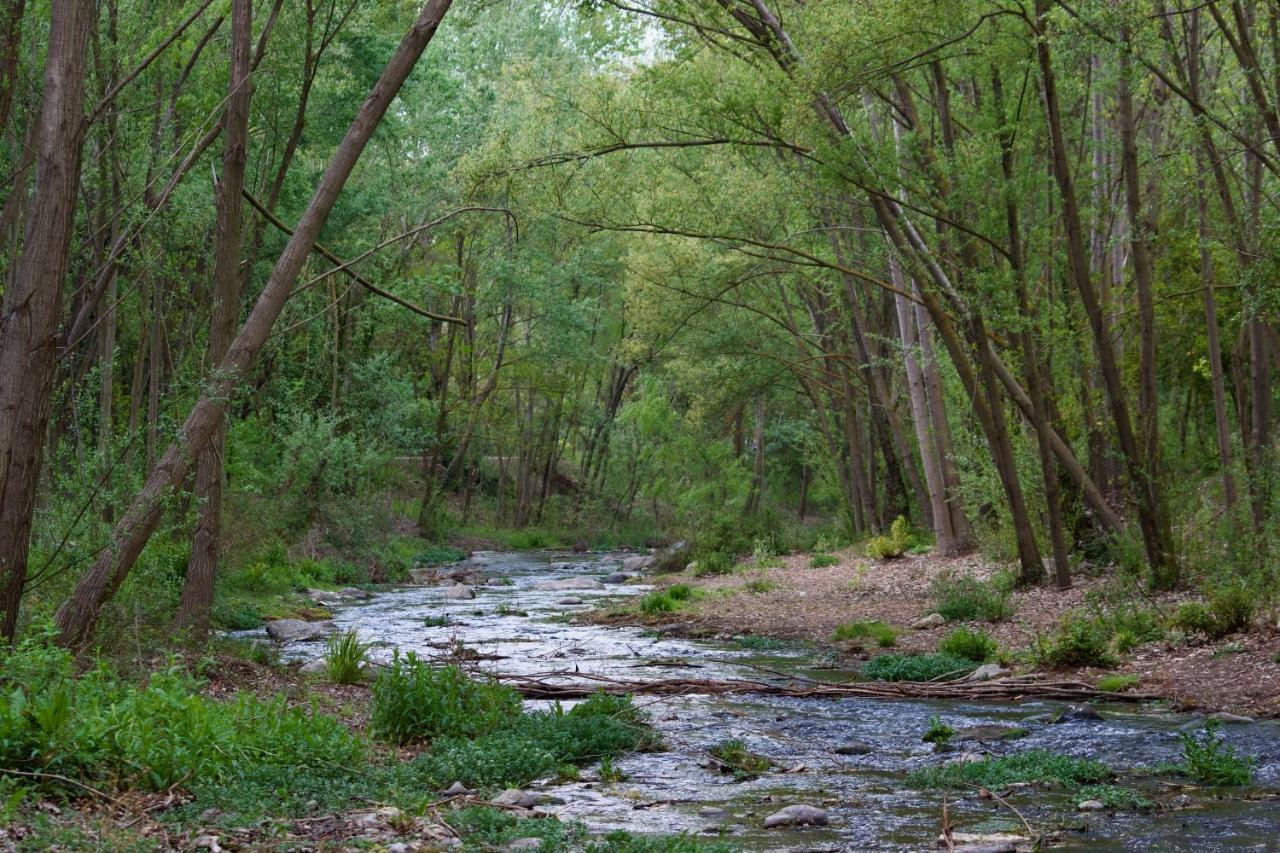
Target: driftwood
[577, 685]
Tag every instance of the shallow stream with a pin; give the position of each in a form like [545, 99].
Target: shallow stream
[518, 628]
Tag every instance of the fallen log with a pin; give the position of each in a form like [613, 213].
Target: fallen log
[578, 685]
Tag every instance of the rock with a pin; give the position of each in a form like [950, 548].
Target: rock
[928, 623]
[207, 842]
[314, 666]
[1226, 717]
[459, 592]
[638, 563]
[1078, 713]
[616, 577]
[796, 815]
[974, 842]
[1091, 806]
[525, 844]
[298, 631]
[966, 758]
[565, 584]
[853, 747]
[712, 813]
[991, 731]
[354, 594]
[986, 672]
[389, 813]
[570, 599]
[398, 847]
[1182, 801]
[516, 798]
[456, 789]
[496, 582]
[671, 558]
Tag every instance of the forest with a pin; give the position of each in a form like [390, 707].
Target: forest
[431, 426]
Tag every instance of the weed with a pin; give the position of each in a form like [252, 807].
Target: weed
[344, 658]
[656, 602]
[680, 592]
[1232, 605]
[963, 599]
[436, 621]
[1036, 765]
[438, 555]
[1079, 641]
[1211, 761]
[822, 561]
[753, 643]
[733, 757]
[609, 773]
[760, 586]
[413, 701]
[886, 636]
[974, 645]
[938, 732]
[625, 842]
[493, 829]
[893, 545]
[898, 667]
[1118, 683]
[1114, 797]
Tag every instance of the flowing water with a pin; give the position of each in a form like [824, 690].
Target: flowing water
[518, 628]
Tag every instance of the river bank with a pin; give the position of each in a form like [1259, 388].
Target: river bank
[791, 599]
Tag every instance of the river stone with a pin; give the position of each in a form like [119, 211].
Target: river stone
[986, 672]
[1091, 806]
[796, 815]
[525, 844]
[966, 758]
[459, 591]
[928, 623]
[975, 842]
[991, 731]
[456, 789]
[616, 577]
[516, 798]
[298, 631]
[314, 666]
[1078, 713]
[570, 599]
[565, 584]
[638, 563]
[712, 813]
[1226, 717]
[854, 747]
[496, 582]
[355, 594]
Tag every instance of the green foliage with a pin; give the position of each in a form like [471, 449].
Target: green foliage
[974, 645]
[733, 757]
[1080, 640]
[892, 545]
[822, 561]
[1118, 683]
[345, 657]
[899, 667]
[414, 701]
[1211, 761]
[886, 636]
[437, 621]
[760, 585]
[938, 733]
[1232, 605]
[625, 842]
[964, 598]
[1037, 766]
[667, 600]
[1192, 617]
[756, 643]
[438, 555]
[1114, 797]
[488, 828]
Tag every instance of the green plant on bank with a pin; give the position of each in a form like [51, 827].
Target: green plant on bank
[667, 600]
[1114, 798]
[438, 555]
[938, 733]
[733, 757]
[1118, 683]
[1230, 609]
[760, 586]
[441, 620]
[764, 554]
[892, 545]
[1080, 640]
[609, 772]
[928, 667]
[624, 842]
[822, 561]
[974, 645]
[492, 829]
[885, 636]
[965, 599]
[414, 701]
[1211, 761]
[755, 643]
[345, 658]
[1036, 766]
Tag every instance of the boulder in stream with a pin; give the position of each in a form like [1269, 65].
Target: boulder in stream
[1078, 713]
[638, 563]
[984, 842]
[796, 815]
[298, 631]
[854, 747]
[459, 592]
[928, 623]
[570, 600]
[989, 732]
[565, 584]
[616, 577]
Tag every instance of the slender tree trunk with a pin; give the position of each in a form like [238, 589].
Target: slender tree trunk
[197, 589]
[79, 614]
[31, 307]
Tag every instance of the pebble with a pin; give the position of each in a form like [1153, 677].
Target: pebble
[459, 591]
[456, 789]
[712, 813]
[933, 620]
[796, 815]
[1091, 806]
[570, 599]
[525, 844]
[1227, 717]
[398, 847]
[516, 798]
[1079, 713]
[854, 747]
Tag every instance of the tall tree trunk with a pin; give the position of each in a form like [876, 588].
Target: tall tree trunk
[77, 616]
[31, 306]
[197, 588]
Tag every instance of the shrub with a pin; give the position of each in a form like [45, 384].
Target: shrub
[1118, 683]
[754, 643]
[1211, 761]
[1232, 606]
[658, 601]
[344, 658]
[821, 561]
[970, 645]
[1114, 798]
[886, 636]
[938, 732]
[760, 586]
[734, 758]
[713, 563]
[1079, 641]
[1035, 765]
[935, 667]
[494, 829]
[1192, 617]
[440, 621]
[963, 599]
[680, 592]
[413, 701]
[437, 555]
[893, 545]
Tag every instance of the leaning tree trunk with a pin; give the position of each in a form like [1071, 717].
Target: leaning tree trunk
[77, 616]
[32, 304]
[197, 588]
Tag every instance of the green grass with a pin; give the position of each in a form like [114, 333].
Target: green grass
[345, 658]
[669, 599]
[1118, 683]
[1114, 797]
[1037, 766]
[974, 645]
[938, 731]
[754, 643]
[929, 667]
[760, 586]
[733, 757]
[1209, 760]
[822, 561]
[885, 636]
[965, 599]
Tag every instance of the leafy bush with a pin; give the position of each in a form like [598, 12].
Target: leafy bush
[413, 701]
[754, 643]
[970, 645]
[624, 842]
[1118, 683]
[680, 592]
[344, 658]
[935, 667]
[658, 601]
[1211, 761]
[1035, 765]
[1079, 641]
[821, 561]
[493, 829]
[760, 586]
[893, 545]
[1232, 605]
[438, 555]
[1114, 798]
[964, 599]
[886, 636]
[1192, 617]
[938, 732]
[734, 758]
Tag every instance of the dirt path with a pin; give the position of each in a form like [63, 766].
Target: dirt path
[1238, 674]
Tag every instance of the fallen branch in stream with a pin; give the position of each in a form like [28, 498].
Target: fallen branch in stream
[576, 685]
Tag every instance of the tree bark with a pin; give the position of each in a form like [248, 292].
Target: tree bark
[77, 616]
